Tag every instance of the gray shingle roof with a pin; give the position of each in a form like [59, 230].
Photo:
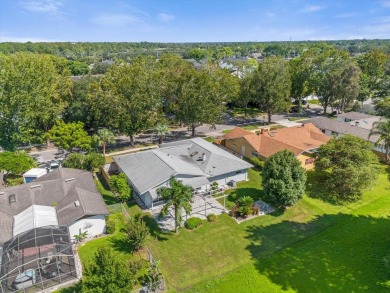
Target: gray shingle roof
[149, 169]
[62, 186]
[354, 115]
[341, 127]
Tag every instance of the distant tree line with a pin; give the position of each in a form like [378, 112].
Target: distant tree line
[39, 101]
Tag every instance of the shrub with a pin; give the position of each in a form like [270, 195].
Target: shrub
[110, 226]
[14, 181]
[193, 223]
[245, 205]
[257, 162]
[212, 217]
[92, 161]
[137, 232]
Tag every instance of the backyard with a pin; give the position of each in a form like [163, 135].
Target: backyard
[314, 246]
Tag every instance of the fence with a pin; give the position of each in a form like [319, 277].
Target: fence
[114, 208]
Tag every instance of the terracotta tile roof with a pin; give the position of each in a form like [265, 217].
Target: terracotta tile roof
[303, 137]
[295, 139]
[237, 132]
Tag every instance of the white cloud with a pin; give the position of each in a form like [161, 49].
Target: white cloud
[312, 8]
[385, 3]
[270, 14]
[43, 6]
[347, 15]
[165, 17]
[113, 19]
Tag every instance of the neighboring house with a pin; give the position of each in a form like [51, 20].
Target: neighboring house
[354, 123]
[71, 193]
[300, 140]
[37, 223]
[195, 162]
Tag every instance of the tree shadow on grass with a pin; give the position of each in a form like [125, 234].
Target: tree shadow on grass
[245, 191]
[332, 253]
[317, 188]
[154, 229]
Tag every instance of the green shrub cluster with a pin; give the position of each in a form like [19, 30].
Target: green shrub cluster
[212, 217]
[110, 226]
[257, 162]
[193, 223]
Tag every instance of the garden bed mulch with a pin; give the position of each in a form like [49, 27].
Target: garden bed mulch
[265, 209]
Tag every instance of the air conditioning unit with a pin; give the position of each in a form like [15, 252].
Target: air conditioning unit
[76, 203]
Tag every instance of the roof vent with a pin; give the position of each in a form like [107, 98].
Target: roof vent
[70, 179]
[35, 186]
[203, 157]
[193, 154]
[1, 193]
[76, 203]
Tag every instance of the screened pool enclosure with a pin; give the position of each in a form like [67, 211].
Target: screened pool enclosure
[37, 259]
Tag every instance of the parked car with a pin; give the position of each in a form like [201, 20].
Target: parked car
[54, 165]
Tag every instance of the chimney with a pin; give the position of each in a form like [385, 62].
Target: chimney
[262, 131]
[203, 157]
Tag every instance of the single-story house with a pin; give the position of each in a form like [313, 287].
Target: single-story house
[195, 162]
[301, 140]
[70, 194]
[37, 223]
[353, 123]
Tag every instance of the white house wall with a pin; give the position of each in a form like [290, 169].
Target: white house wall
[95, 225]
[225, 178]
[147, 199]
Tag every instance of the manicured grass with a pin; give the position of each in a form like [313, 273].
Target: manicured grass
[226, 131]
[105, 191]
[251, 112]
[209, 139]
[297, 118]
[117, 241]
[251, 188]
[314, 246]
[253, 126]
[315, 102]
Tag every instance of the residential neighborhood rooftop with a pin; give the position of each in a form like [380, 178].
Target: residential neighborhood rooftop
[194, 157]
[72, 192]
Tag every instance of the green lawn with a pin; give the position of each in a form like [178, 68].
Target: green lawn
[316, 102]
[315, 246]
[251, 112]
[251, 188]
[209, 139]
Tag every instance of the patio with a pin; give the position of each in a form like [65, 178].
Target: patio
[201, 207]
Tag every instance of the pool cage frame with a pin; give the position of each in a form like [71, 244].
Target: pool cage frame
[37, 259]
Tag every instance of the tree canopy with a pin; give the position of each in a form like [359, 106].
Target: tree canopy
[107, 273]
[348, 164]
[70, 135]
[16, 162]
[271, 86]
[33, 93]
[284, 179]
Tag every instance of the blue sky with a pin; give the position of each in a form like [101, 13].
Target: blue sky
[192, 20]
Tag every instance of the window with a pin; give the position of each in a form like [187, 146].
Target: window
[12, 198]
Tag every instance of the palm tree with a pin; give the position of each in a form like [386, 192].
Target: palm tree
[161, 130]
[382, 128]
[104, 137]
[178, 196]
